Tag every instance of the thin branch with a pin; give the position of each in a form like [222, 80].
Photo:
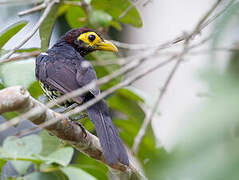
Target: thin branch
[73, 3]
[138, 138]
[22, 56]
[147, 2]
[34, 30]
[83, 89]
[34, 9]
[129, 67]
[220, 13]
[149, 118]
[101, 96]
[18, 99]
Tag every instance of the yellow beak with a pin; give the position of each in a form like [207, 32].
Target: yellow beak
[106, 46]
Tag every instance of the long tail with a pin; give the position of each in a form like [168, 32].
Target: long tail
[109, 137]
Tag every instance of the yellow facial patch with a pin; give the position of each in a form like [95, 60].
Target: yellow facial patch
[93, 40]
[86, 38]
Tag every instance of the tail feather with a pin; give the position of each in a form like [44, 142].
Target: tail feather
[109, 137]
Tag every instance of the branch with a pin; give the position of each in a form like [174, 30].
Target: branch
[34, 9]
[186, 48]
[18, 99]
[22, 56]
[89, 103]
[129, 67]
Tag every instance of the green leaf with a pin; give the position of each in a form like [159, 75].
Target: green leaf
[130, 94]
[98, 18]
[116, 7]
[41, 176]
[2, 163]
[127, 106]
[21, 148]
[35, 89]
[49, 143]
[10, 115]
[91, 166]
[63, 9]
[27, 145]
[47, 27]
[74, 173]
[116, 25]
[10, 32]
[18, 73]
[76, 17]
[148, 100]
[25, 50]
[61, 156]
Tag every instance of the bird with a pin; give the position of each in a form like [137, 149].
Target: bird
[63, 68]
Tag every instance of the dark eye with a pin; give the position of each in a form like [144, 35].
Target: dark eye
[91, 37]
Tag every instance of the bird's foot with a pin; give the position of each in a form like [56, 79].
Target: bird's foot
[65, 109]
[75, 121]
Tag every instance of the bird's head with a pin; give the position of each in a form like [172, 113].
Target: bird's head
[85, 40]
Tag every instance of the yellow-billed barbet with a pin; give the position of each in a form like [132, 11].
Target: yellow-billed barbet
[63, 69]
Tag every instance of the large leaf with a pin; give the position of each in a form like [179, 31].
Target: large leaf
[35, 89]
[74, 173]
[116, 7]
[22, 148]
[49, 143]
[148, 100]
[10, 32]
[18, 73]
[127, 92]
[76, 17]
[42, 176]
[99, 18]
[91, 166]
[61, 156]
[2, 162]
[47, 27]
[25, 146]
[127, 106]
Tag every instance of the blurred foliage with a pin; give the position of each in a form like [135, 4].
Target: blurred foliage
[207, 147]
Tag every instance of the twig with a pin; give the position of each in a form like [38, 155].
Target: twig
[18, 99]
[22, 56]
[149, 118]
[220, 13]
[34, 30]
[34, 9]
[81, 90]
[91, 85]
[147, 2]
[138, 138]
[72, 3]
[104, 94]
